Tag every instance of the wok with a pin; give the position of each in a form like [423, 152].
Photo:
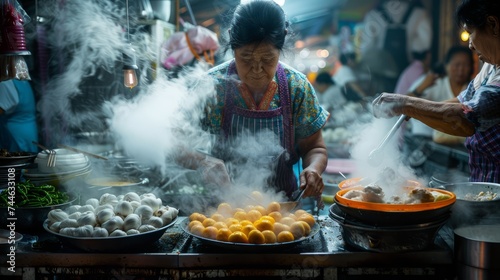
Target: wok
[468, 212]
[111, 243]
[256, 248]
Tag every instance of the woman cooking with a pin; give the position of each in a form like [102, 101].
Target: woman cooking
[474, 113]
[256, 93]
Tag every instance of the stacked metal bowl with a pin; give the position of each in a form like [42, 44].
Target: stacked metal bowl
[67, 165]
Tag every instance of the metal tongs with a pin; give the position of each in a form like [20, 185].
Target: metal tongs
[375, 155]
[289, 206]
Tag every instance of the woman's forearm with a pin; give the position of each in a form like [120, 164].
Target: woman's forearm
[447, 117]
[315, 158]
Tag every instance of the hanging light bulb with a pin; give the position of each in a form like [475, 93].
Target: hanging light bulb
[129, 67]
[129, 62]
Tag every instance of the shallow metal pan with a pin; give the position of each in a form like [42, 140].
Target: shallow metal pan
[113, 243]
[256, 248]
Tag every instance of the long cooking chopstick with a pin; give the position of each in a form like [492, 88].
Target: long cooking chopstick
[80, 151]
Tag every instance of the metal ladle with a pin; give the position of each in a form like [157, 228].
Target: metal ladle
[375, 155]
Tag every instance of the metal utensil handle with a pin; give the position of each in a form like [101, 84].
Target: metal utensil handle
[393, 130]
[299, 196]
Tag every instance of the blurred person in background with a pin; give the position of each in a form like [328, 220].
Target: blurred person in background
[329, 94]
[256, 93]
[346, 78]
[458, 66]
[18, 124]
[389, 32]
[474, 112]
[421, 62]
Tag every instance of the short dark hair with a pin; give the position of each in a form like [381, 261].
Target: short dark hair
[257, 22]
[324, 78]
[473, 13]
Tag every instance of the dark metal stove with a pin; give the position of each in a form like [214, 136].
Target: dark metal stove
[177, 255]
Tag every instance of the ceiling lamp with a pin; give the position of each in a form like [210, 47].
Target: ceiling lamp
[129, 61]
[12, 43]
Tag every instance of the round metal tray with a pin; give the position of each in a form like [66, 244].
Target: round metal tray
[250, 247]
[113, 243]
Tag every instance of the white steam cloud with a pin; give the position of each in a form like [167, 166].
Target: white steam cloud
[85, 39]
[163, 118]
[369, 138]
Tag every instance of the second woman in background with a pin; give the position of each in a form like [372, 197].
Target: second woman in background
[458, 66]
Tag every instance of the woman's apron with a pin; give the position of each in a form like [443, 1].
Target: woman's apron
[238, 120]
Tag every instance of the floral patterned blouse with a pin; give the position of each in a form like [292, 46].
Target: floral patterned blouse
[308, 116]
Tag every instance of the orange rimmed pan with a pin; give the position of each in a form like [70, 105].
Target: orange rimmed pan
[393, 214]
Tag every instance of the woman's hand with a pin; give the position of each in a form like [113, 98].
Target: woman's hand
[312, 150]
[214, 171]
[388, 105]
[312, 181]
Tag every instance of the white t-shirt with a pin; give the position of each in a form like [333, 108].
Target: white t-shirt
[418, 27]
[344, 75]
[332, 98]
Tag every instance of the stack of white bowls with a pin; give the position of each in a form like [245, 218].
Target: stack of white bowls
[68, 165]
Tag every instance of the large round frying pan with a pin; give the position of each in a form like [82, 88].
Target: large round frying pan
[257, 248]
[109, 244]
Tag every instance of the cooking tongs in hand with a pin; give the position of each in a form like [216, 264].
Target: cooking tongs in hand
[288, 206]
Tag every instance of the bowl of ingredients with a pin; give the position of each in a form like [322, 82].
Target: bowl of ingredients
[112, 223]
[477, 203]
[30, 204]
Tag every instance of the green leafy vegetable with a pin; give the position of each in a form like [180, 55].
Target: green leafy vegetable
[29, 195]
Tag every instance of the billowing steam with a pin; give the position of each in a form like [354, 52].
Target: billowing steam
[166, 117]
[85, 39]
[369, 138]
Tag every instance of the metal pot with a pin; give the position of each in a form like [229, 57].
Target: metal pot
[469, 212]
[387, 238]
[478, 246]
